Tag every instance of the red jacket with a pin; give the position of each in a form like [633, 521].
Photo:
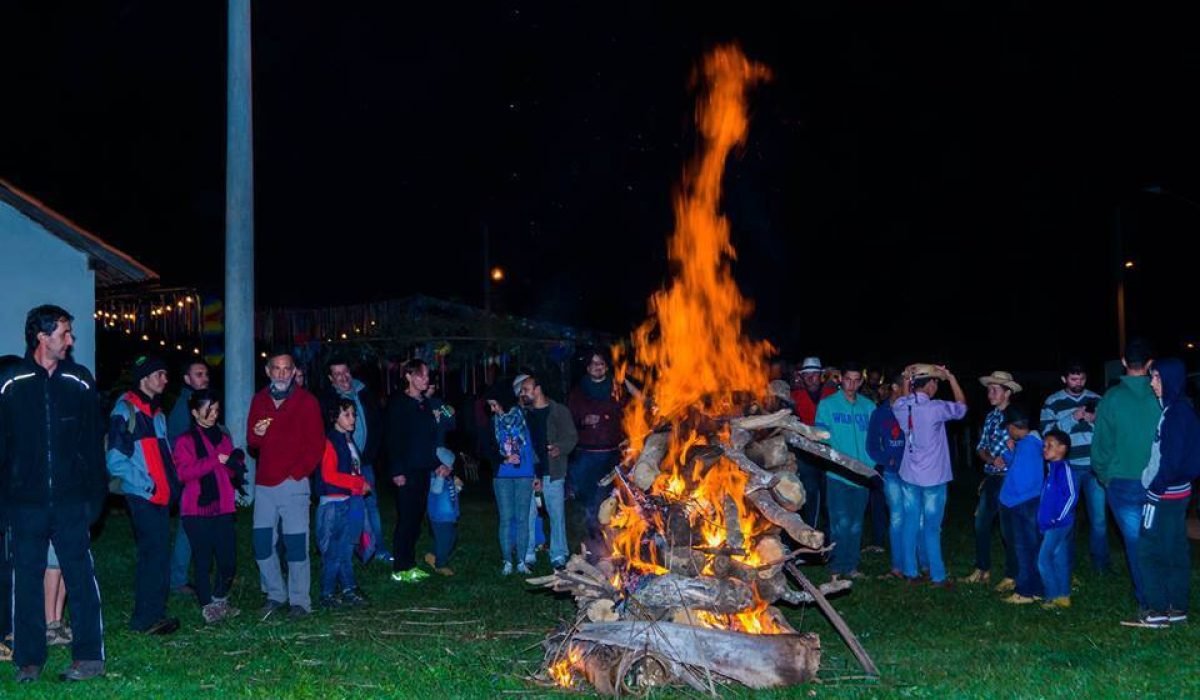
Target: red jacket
[605, 435]
[294, 442]
[806, 408]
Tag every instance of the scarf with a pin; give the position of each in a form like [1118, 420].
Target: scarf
[281, 395]
[597, 390]
[209, 491]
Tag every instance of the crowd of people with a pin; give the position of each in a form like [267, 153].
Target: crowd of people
[1133, 451]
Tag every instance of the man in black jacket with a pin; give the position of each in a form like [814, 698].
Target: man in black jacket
[368, 436]
[53, 477]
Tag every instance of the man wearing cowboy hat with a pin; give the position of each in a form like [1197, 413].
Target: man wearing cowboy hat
[807, 392]
[1000, 389]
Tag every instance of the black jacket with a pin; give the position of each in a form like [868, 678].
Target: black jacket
[51, 450]
[412, 436]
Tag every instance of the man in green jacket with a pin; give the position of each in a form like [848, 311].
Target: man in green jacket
[1125, 423]
[846, 415]
[553, 435]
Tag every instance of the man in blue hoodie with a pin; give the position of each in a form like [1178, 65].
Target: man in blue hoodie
[846, 415]
[1163, 550]
[1020, 495]
[885, 445]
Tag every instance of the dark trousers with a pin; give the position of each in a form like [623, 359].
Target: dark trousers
[813, 479]
[587, 468]
[1165, 555]
[985, 519]
[212, 536]
[33, 529]
[411, 499]
[151, 530]
[1028, 543]
[877, 508]
[5, 579]
[444, 537]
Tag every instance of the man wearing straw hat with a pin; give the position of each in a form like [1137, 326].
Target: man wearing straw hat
[1000, 389]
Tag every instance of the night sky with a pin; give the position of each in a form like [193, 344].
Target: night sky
[918, 183]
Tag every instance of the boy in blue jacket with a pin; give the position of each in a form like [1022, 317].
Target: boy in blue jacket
[1019, 496]
[1056, 517]
[1163, 549]
[443, 513]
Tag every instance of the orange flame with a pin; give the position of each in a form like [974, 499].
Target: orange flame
[562, 671]
[691, 356]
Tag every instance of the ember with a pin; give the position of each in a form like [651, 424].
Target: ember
[702, 522]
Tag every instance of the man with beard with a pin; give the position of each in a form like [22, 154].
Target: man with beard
[1073, 411]
[552, 430]
[285, 432]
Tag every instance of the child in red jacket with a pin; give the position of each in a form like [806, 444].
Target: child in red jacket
[340, 513]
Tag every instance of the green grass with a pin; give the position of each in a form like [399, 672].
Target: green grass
[927, 643]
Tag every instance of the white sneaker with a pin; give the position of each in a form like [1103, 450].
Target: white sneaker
[508, 569]
[531, 560]
[522, 568]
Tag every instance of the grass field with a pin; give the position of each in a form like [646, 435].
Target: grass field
[476, 635]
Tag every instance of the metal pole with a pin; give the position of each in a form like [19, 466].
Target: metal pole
[239, 229]
[1119, 267]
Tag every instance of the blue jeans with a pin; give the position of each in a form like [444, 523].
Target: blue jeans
[924, 507]
[1054, 562]
[847, 503]
[445, 535]
[372, 525]
[1125, 499]
[893, 492]
[339, 524]
[1091, 490]
[554, 494]
[512, 500]
[1028, 542]
[586, 469]
[985, 516]
[181, 555]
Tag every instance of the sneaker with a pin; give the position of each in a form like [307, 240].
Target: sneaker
[1147, 620]
[82, 671]
[977, 576]
[213, 613]
[167, 625]
[523, 568]
[1058, 603]
[893, 575]
[384, 557]
[872, 549]
[57, 633]
[944, 584]
[270, 608]
[1006, 585]
[558, 564]
[1176, 617]
[531, 561]
[412, 575]
[5, 652]
[28, 674]
[298, 613]
[329, 602]
[354, 597]
[508, 569]
[1018, 599]
[230, 611]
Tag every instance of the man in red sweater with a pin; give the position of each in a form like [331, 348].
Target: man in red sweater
[285, 434]
[807, 392]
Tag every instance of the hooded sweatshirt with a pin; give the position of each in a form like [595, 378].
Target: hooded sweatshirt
[847, 422]
[1125, 423]
[1175, 453]
[1024, 479]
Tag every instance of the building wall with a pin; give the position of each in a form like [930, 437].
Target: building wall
[36, 268]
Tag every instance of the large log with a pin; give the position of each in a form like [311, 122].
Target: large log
[782, 420]
[770, 453]
[646, 466]
[727, 595]
[792, 523]
[789, 492]
[826, 452]
[756, 661]
[835, 619]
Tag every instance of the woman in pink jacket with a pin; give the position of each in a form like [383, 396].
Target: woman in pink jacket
[203, 460]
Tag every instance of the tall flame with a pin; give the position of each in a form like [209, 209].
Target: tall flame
[691, 351]
[693, 361]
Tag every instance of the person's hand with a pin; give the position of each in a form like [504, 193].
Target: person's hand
[223, 458]
[999, 463]
[442, 471]
[1012, 445]
[513, 459]
[553, 451]
[945, 372]
[366, 487]
[591, 420]
[260, 427]
[537, 485]
[399, 480]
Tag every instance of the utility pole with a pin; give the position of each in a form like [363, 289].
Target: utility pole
[239, 228]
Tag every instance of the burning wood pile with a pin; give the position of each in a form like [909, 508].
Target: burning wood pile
[702, 524]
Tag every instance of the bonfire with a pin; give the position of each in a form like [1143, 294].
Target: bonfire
[702, 523]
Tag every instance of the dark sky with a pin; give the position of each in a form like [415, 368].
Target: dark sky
[917, 183]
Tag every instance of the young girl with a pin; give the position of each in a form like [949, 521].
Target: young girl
[207, 503]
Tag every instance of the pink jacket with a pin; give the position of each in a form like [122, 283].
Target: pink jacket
[192, 469]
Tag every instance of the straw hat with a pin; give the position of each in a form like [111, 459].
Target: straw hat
[921, 370]
[1001, 378]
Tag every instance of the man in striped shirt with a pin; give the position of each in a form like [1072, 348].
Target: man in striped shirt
[1073, 411]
